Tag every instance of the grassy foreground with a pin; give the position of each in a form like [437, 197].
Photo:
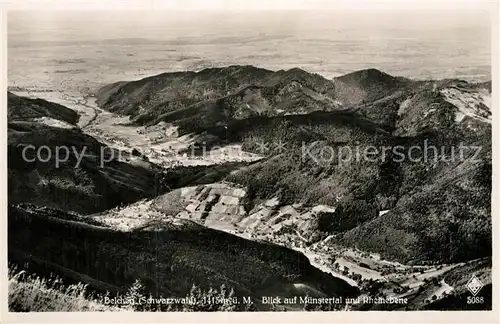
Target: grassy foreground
[31, 293]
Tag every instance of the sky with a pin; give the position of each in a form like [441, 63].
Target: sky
[37, 22]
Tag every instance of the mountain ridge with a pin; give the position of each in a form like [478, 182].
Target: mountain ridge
[363, 108]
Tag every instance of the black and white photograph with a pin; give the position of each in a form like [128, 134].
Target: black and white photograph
[257, 158]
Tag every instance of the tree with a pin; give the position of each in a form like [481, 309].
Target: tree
[250, 307]
[307, 306]
[194, 300]
[228, 304]
[134, 294]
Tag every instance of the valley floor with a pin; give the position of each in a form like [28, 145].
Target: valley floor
[161, 143]
[419, 284]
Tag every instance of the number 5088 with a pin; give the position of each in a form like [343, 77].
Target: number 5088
[475, 300]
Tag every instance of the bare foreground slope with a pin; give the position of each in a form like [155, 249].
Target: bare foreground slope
[257, 215]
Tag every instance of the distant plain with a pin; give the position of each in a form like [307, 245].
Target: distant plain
[76, 53]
